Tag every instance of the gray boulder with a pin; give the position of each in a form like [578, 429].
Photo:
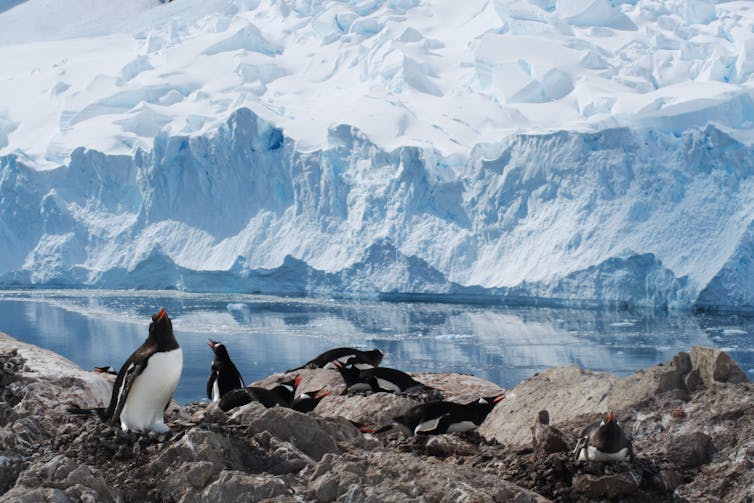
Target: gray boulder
[566, 392]
[715, 366]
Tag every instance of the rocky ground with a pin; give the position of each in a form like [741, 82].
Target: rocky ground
[691, 421]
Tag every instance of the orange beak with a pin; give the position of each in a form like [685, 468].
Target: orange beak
[611, 417]
[498, 399]
[321, 393]
[297, 381]
[161, 314]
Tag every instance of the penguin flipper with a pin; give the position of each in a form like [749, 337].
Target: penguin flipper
[129, 376]
[429, 426]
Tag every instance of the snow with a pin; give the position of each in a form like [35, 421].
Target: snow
[579, 151]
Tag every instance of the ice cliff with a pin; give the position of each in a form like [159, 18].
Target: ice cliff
[622, 217]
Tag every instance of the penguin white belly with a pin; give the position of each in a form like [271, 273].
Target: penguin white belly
[388, 385]
[591, 453]
[215, 391]
[461, 426]
[150, 392]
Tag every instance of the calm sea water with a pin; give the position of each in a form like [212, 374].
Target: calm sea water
[271, 334]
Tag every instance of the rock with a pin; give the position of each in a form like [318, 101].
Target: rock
[212, 447]
[62, 472]
[607, 486]
[326, 487]
[716, 366]
[374, 409]
[565, 392]
[308, 433]
[693, 381]
[547, 439]
[443, 446]
[649, 382]
[690, 450]
[461, 388]
[232, 486]
[188, 480]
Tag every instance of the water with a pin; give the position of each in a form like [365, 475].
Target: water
[271, 334]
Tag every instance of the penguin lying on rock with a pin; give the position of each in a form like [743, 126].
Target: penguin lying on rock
[281, 395]
[224, 376]
[348, 357]
[307, 402]
[377, 379]
[440, 416]
[146, 381]
[604, 441]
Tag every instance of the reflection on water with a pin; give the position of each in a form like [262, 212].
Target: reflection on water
[270, 334]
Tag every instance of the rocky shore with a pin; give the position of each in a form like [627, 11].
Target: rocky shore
[691, 421]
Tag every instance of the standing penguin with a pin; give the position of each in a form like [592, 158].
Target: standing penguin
[224, 376]
[440, 416]
[147, 380]
[604, 441]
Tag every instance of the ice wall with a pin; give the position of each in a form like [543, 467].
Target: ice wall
[622, 217]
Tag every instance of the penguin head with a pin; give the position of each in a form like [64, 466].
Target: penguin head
[161, 330]
[160, 321]
[219, 349]
[375, 355]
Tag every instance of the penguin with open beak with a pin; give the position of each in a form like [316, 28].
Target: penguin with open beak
[223, 376]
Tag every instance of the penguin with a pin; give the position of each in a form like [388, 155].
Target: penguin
[224, 376]
[281, 395]
[604, 441]
[440, 416]
[346, 356]
[377, 379]
[106, 370]
[307, 402]
[147, 380]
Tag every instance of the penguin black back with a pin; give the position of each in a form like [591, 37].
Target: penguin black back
[441, 416]
[281, 395]
[346, 357]
[377, 379]
[223, 376]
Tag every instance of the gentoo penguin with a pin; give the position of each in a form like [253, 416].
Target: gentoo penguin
[346, 356]
[147, 380]
[439, 416]
[224, 375]
[604, 441]
[377, 379]
[106, 370]
[307, 402]
[281, 395]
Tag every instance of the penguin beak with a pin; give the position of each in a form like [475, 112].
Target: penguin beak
[321, 393]
[297, 381]
[161, 314]
[337, 364]
[611, 417]
[212, 344]
[498, 399]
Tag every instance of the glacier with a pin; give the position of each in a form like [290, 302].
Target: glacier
[581, 153]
